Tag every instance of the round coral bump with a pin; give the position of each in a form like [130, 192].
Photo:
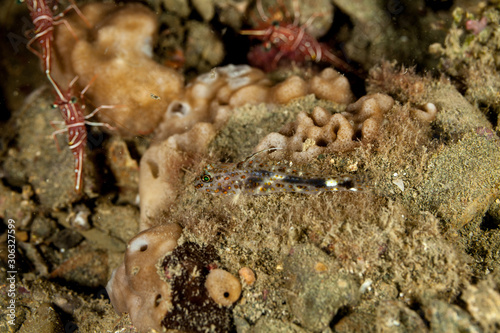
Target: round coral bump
[320, 267]
[253, 94]
[223, 287]
[427, 115]
[332, 86]
[320, 116]
[247, 275]
[291, 88]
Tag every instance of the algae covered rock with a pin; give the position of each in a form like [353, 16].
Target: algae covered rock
[483, 303]
[44, 320]
[269, 325]
[396, 317]
[318, 288]
[444, 317]
[462, 180]
[470, 54]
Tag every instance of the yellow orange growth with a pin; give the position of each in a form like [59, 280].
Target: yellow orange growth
[223, 287]
[247, 275]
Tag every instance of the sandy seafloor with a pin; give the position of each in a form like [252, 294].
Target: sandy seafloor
[417, 251]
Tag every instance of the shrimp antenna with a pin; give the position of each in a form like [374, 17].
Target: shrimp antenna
[254, 32]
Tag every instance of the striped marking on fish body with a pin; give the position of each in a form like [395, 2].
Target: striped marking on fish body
[258, 179]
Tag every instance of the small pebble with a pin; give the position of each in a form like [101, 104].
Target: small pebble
[247, 275]
[320, 267]
[66, 239]
[22, 236]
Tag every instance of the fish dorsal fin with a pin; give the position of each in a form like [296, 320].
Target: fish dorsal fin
[248, 161]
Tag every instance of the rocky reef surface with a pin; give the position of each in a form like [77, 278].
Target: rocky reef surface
[347, 185]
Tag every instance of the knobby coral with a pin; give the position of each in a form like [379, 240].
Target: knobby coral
[321, 132]
[212, 96]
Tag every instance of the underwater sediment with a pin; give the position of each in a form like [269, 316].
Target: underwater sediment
[344, 178]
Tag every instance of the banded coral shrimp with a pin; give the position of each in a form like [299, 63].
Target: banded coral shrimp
[72, 111]
[44, 21]
[71, 108]
[284, 38]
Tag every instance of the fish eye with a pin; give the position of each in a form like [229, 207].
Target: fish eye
[206, 178]
[73, 100]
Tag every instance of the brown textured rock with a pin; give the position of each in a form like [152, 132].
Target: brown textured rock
[395, 316]
[472, 166]
[44, 320]
[317, 295]
[483, 303]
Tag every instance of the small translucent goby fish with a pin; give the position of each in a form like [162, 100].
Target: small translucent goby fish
[255, 177]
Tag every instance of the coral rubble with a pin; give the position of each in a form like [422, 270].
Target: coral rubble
[314, 275]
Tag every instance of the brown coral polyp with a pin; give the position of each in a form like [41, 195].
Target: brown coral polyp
[426, 115]
[367, 114]
[332, 86]
[291, 88]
